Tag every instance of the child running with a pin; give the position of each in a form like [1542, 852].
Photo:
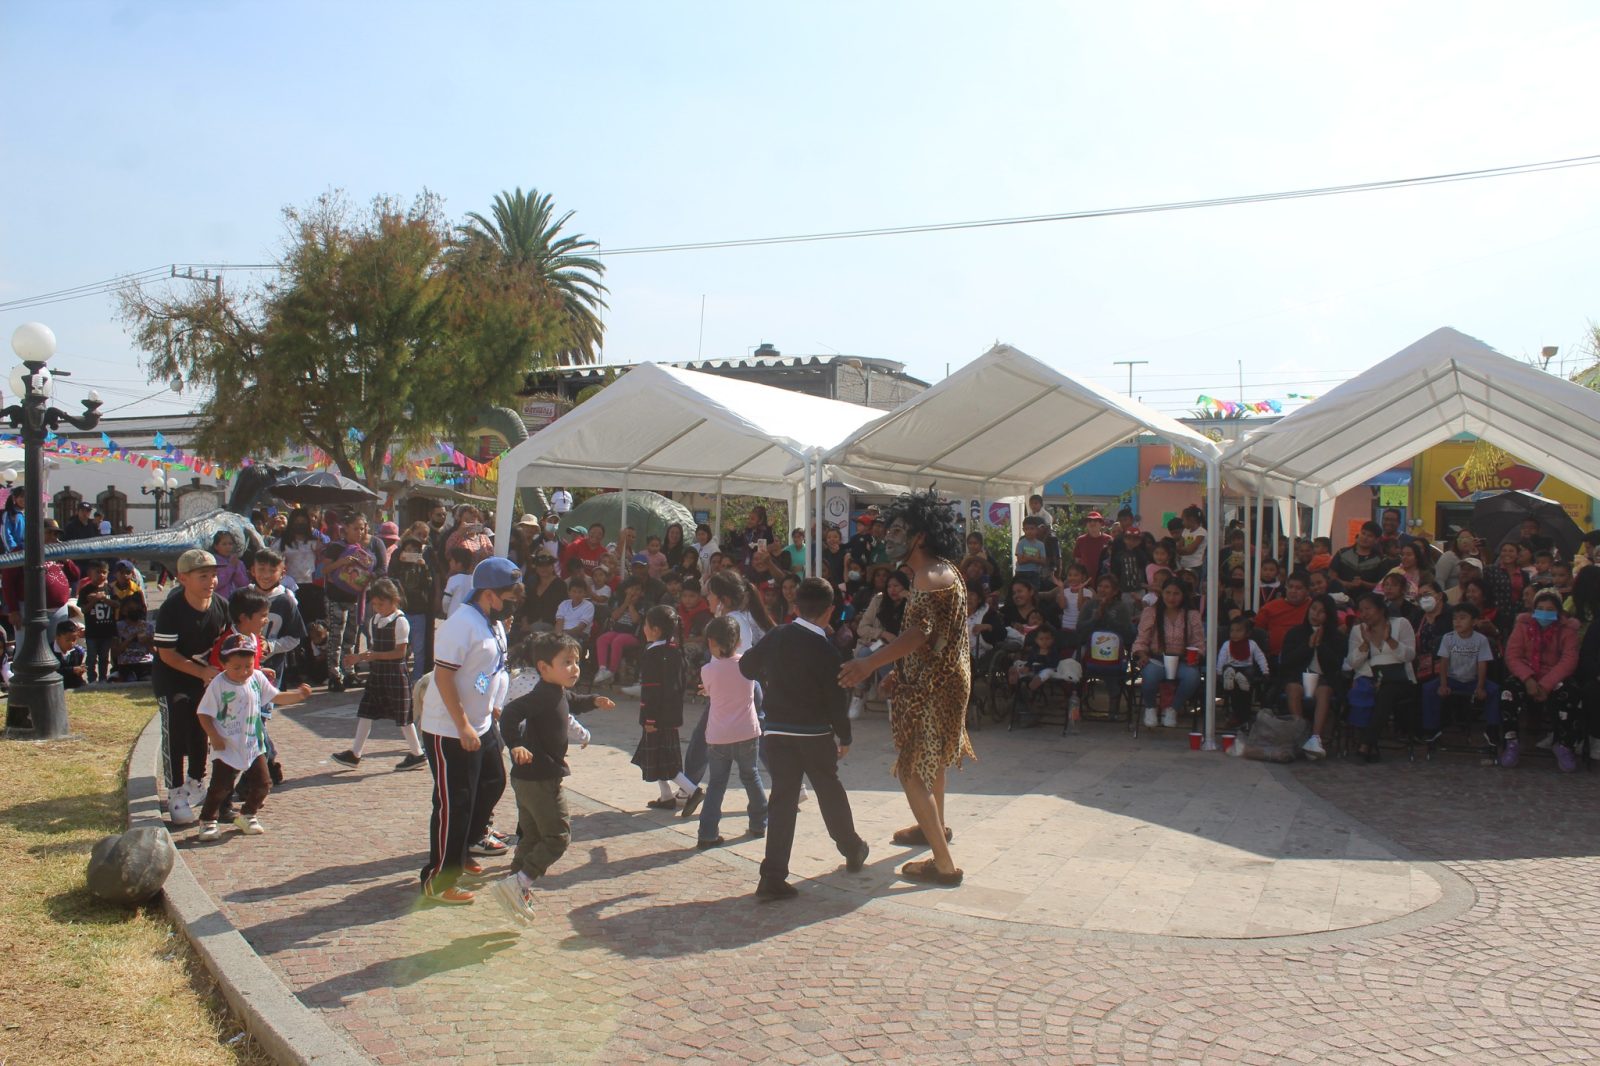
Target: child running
[230, 714]
[536, 727]
[658, 757]
[806, 733]
[732, 732]
[387, 697]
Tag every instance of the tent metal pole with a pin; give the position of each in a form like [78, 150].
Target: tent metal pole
[820, 517]
[716, 522]
[1255, 557]
[622, 522]
[1214, 520]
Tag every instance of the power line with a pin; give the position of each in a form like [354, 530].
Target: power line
[123, 280]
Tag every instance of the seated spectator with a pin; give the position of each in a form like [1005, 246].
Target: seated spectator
[1271, 586]
[1362, 565]
[1541, 656]
[1129, 560]
[1394, 589]
[1070, 599]
[134, 649]
[875, 580]
[1411, 568]
[788, 611]
[1381, 651]
[1106, 630]
[1304, 552]
[1506, 580]
[1241, 667]
[1446, 571]
[1039, 662]
[1431, 623]
[878, 626]
[1192, 546]
[575, 616]
[622, 630]
[1023, 602]
[657, 562]
[1162, 557]
[71, 656]
[1315, 646]
[1279, 616]
[652, 589]
[1461, 658]
[1169, 627]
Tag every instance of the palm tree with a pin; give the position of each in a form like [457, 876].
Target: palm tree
[524, 233]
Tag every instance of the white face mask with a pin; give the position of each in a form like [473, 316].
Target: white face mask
[1428, 603]
[855, 575]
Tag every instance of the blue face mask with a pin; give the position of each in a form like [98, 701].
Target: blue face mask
[1545, 617]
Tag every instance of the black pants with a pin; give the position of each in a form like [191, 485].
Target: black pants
[255, 785]
[1565, 720]
[466, 786]
[184, 740]
[816, 759]
[1396, 701]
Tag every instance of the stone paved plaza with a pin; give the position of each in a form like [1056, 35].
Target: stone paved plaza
[1126, 901]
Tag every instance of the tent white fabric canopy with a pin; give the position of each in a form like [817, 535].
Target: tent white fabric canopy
[1003, 425]
[660, 427]
[1445, 384]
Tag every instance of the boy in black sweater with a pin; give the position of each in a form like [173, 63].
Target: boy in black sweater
[805, 734]
[534, 728]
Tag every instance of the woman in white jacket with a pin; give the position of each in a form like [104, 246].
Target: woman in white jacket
[1381, 652]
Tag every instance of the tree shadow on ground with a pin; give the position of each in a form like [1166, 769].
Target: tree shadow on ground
[694, 927]
[408, 970]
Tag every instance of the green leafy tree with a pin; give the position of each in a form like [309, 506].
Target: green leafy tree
[372, 338]
[523, 233]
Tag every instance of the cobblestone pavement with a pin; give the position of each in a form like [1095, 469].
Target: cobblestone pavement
[648, 951]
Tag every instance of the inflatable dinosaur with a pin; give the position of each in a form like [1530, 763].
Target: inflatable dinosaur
[165, 545]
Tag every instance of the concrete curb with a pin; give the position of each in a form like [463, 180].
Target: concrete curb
[290, 1031]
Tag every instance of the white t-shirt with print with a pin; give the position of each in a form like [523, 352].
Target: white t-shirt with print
[572, 615]
[476, 649]
[236, 709]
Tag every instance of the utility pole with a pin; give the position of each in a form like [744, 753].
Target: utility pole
[1241, 381]
[205, 277]
[700, 346]
[1130, 364]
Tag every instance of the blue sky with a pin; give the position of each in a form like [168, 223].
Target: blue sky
[140, 134]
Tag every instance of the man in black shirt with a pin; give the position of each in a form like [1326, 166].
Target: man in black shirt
[1361, 566]
[81, 526]
[805, 733]
[639, 574]
[188, 623]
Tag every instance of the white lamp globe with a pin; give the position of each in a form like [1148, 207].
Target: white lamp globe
[8, 476]
[172, 483]
[17, 381]
[154, 482]
[34, 342]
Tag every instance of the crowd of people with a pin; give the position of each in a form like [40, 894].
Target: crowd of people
[473, 657]
[1385, 634]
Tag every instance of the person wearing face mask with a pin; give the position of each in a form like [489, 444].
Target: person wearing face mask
[550, 538]
[1541, 655]
[1433, 621]
[458, 734]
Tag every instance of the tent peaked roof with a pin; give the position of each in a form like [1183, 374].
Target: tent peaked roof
[662, 427]
[1445, 384]
[1000, 426]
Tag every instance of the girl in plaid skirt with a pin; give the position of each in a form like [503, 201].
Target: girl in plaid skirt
[387, 697]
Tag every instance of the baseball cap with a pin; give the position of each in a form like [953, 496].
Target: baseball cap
[1132, 531]
[1094, 516]
[495, 573]
[196, 559]
[582, 531]
[238, 644]
[639, 559]
[388, 531]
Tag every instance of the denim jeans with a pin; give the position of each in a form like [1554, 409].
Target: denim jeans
[697, 756]
[723, 757]
[1155, 672]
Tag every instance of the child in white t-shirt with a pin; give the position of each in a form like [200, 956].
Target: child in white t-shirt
[230, 714]
[458, 586]
[575, 616]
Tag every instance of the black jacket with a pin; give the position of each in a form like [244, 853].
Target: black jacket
[1295, 658]
[538, 721]
[661, 686]
[799, 675]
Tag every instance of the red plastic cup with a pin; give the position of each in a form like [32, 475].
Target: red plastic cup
[1195, 740]
[1192, 656]
[1227, 741]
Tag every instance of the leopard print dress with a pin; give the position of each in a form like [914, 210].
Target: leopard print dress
[929, 716]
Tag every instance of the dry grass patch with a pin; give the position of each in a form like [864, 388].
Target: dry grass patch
[82, 981]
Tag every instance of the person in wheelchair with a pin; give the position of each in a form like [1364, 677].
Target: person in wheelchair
[1168, 628]
[1040, 662]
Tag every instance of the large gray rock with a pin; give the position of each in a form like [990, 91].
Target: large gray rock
[132, 867]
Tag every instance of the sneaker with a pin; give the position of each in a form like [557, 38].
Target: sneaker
[603, 676]
[210, 831]
[1566, 761]
[1169, 718]
[692, 803]
[857, 705]
[179, 809]
[1314, 749]
[347, 758]
[249, 825]
[775, 890]
[517, 901]
[411, 762]
[452, 896]
[857, 858]
[630, 691]
[472, 868]
[1228, 675]
[1149, 717]
[1547, 743]
[488, 846]
[1508, 754]
[1241, 682]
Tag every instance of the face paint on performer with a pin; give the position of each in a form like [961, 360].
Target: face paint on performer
[897, 542]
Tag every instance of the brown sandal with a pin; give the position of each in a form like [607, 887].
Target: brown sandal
[914, 837]
[927, 872]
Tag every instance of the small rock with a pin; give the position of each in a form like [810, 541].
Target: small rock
[132, 867]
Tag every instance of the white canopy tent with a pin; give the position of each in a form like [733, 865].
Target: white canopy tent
[1445, 384]
[659, 427]
[1003, 426]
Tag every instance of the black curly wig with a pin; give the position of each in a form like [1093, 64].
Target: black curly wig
[935, 519]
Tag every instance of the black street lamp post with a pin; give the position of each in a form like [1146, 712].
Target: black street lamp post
[162, 487]
[37, 700]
